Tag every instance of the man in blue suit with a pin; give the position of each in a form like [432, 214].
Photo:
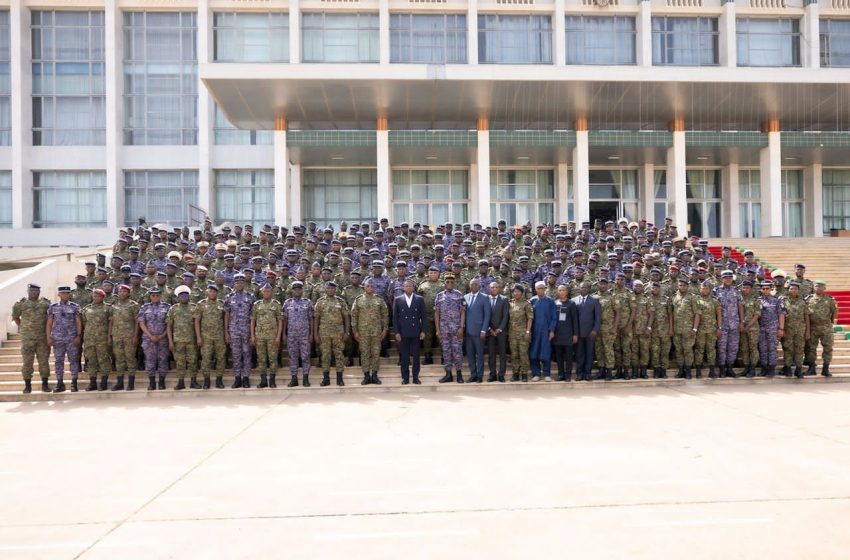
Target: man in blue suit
[589, 321]
[410, 322]
[477, 323]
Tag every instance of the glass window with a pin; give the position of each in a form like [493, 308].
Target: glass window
[332, 195]
[244, 196]
[160, 78]
[834, 42]
[251, 37]
[768, 42]
[345, 37]
[514, 39]
[836, 199]
[428, 38]
[703, 192]
[792, 202]
[5, 81]
[616, 190]
[684, 41]
[522, 195]
[5, 199]
[660, 188]
[749, 207]
[436, 196]
[227, 134]
[749, 184]
[160, 196]
[69, 198]
[600, 40]
[68, 101]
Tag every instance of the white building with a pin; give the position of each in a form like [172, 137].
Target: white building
[731, 117]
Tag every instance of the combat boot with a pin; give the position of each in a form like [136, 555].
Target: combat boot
[811, 370]
[193, 383]
[219, 382]
[688, 372]
[711, 372]
[349, 362]
[429, 359]
[272, 381]
[293, 381]
[263, 381]
[643, 373]
[119, 384]
[367, 378]
[92, 383]
[771, 370]
[246, 382]
[180, 385]
[60, 387]
[825, 371]
[151, 383]
[45, 386]
[459, 377]
[751, 371]
[104, 381]
[206, 382]
[375, 379]
[74, 386]
[681, 373]
[326, 379]
[162, 382]
[627, 375]
[339, 381]
[306, 380]
[730, 372]
[27, 386]
[607, 373]
[786, 371]
[237, 382]
[699, 372]
[798, 372]
[131, 383]
[447, 378]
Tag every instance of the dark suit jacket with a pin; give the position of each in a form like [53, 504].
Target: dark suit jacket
[478, 315]
[410, 321]
[499, 313]
[589, 315]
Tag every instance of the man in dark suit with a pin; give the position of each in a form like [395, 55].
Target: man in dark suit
[410, 322]
[497, 338]
[589, 322]
[477, 323]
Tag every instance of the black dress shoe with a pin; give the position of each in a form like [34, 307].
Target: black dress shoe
[479, 380]
[501, 379]
[491, 378]
[404, 381]
[416, 381]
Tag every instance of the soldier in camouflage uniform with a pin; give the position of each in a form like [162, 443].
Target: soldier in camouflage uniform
[209, 332]
[30, 314]
[64, 327]
[642, 339]
[520, 319]
[266, 332]
[331, 325]
[607, 331]
[125, 338]
[731, 308]
[624, 305]
[449, 315]
[662, 331]
[369, 318]
[749, 341]
[686, 319]
[771, 328]
[429, 290]
[237, 331]
[349, 294]
[297, 323]
[152, 319]
[822, 314]
[705, 345]
[81, 295]
[97, 324]
[796, 331]
[180, 323]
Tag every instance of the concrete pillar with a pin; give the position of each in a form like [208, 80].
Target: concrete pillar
[770, 164]
[728, 39]
[559, 27]
[383, 153]
[281, 172]
[813, 200]
[677, 177]
[206, 197]
[731, 207]
[114, 78]
[472, 32]
[581, 172]
[562, 196]
[644, 34]
[810, 36]
[294, 32]
[646, 184]
[384, 33]
[21, 111]
[481, 203]
[295, 190]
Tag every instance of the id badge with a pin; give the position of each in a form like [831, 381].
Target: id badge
[562, 316]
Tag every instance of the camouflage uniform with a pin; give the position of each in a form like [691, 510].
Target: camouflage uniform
[749, 341]
[81, 296]
[793, 343]
[821, 311]
[332, 313]
[266, 316]
[238, 305]
[210, 314]
[661, 342]
[771, 310]
[520, 313]
[181, 320]
[32, 315]
[298, 313]
[368, 320]
[124, 315]
[429, 290]
[64, 332]
[96, 318]
[641, 342]
[604, 346]
[705, 345]
[685, 309]
[624, 303]
[450, 304]
[153, 315]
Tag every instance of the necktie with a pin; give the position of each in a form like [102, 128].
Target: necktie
[492, 302]
[473, 300]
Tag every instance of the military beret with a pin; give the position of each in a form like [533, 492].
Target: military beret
[820, 282]
[155, 290]
[297, 284]
[674, 267]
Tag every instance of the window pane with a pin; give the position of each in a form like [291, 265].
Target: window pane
[5, 199]
[251, 37]
[244, 196]
[69, 198]
[834, 42]
[684, 41]
[428, 38]
[331, 195]
[160, 196]
[768, 42]
[514, 39]
[342, 37]
[600, 40]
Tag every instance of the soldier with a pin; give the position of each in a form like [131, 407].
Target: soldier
[732, 312]
[771, 328]
[520, 318]
[705, 344]
[237, 331]
[749, 341]
[331, 327]
[151, 321]
[266, 330]
[369, 318]
[449, 318]
[125, 338]
[30, 314]
[797, 330]
[349, 294]
[297, 323]
[180, 323]
[81, 295]
[96, 318]
[823, 312]
[686, 320]
[662, 331]
[64, 327]
[624, 305]
[607, 331]
[642, 339]
[209, 332]
[429, 290]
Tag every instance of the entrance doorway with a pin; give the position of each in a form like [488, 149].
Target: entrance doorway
[604, 210]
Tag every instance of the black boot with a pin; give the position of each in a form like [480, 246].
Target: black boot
[786, 371]
[92, 383]
[524, 377]
[514, 377]
[416, 380]
[45, 386]
[104, 382]
[151, 383]
[688, 372]
[825, 371]
[162, 382]
[459, 376]
[607, 373]
[193, 382]
[219, 382]
[264, 381]
[681, 373]
[339, 381]
[699, 372]
[237, 382]
[751, 371]
[367, 378]
[305, 380]
[180, 385]
[711, 373]
[447, 378]
[60, 387]
[349, 362]
[272, 381]
[131, 383]
[429, 359]
[326, 379]
[27, 386]
[798, 372]
[119, 384]
[246, 383]
[293, 381]
[730, 371]
[206, 383]
[627, 374]
[74, 386]
[492, 378]
[375, 379]
[501, 378]
[643, 373]
[811, 370]
[771, 370]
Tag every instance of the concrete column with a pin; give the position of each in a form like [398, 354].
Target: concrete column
[472, 32]
[731, 206]
[562, 186]
[295, 190]
[644, 34]
[810, 36]
[294, 32]
[481, 204]
[677, 177]
[728, 40]
[21, 110]
[383, 153]
[813, 200]
[113, 76]
[770, 164]
[581, 172]
[206, 197]
[384, 32]
[646, 184]
[559, 27]
[281, 172]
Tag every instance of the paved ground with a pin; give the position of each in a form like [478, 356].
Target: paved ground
[758, 471]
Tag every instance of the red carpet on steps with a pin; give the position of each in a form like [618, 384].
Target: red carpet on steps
[717, 252]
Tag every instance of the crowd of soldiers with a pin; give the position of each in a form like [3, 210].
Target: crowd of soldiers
[194, 302]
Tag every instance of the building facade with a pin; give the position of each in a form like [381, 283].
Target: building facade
[733, 118]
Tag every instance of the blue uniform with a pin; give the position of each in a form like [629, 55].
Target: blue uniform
[63, 334]
[239, 305]
[153, 315]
